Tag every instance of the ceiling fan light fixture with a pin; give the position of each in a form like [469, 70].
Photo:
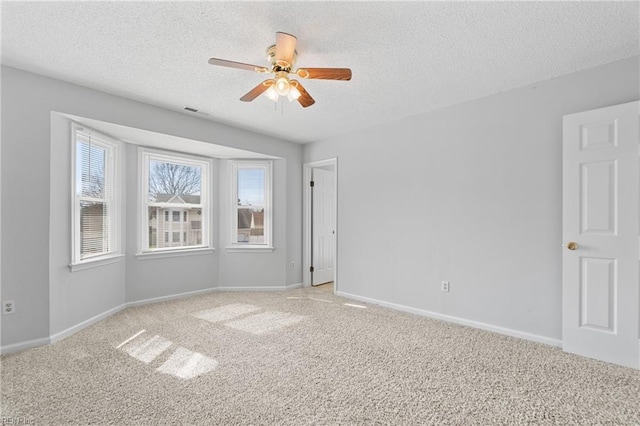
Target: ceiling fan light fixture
[272, 94]
[282, 84]
[293, 94]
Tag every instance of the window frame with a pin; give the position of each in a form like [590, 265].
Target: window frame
[113, 162]
[267, 166]
[145, 156]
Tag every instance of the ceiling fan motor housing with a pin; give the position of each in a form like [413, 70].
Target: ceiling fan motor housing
[279, 64]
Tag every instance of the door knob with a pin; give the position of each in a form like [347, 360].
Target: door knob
[572, 245]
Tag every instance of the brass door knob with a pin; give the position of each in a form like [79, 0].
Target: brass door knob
[572, 245]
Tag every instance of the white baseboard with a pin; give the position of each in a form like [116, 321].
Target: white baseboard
[449, 318]
[21, 346]
[170, 297]
[253, 288]
[292, 286]
[86, 323]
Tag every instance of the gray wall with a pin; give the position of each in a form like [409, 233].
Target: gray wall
[36, 210]
[149, 278]
[234, 272]
[74, 297]
[470, 194]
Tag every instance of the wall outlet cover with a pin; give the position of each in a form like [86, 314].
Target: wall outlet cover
[8, 307]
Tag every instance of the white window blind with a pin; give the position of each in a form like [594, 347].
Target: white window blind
[96, 215]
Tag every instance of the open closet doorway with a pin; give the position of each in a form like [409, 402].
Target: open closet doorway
[320, 223]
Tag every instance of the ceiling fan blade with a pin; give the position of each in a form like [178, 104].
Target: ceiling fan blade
[325, 73]
[305, 98]
[239, 65]
[285, 47]
[257, 91]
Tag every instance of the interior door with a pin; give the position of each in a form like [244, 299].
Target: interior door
[600, 231]
[323, 226]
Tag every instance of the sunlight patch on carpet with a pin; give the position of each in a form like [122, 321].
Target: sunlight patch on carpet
[147, 350]
[320, 300]
[130, 339]
[355, 306]
[226, 312]
[266, 322]
[187, 364]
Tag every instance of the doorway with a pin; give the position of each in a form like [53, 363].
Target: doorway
[320, 223]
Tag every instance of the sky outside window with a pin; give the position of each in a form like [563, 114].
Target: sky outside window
[251, 187]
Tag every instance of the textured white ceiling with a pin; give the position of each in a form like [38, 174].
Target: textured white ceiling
[406, 57]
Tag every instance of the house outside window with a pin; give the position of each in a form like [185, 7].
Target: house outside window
[175, 202]
[96, 207]
[251, 214]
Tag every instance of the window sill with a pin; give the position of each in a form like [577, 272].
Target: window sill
[174, 253]
[249, 249]
[95, 263]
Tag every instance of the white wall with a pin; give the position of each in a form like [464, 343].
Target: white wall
[470, 194]
[34, 166]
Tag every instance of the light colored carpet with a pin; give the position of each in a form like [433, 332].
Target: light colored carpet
[304, 357]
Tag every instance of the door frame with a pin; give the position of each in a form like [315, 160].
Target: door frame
[306, 220]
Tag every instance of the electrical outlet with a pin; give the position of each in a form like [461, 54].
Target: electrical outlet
[293, 265]
[445, 286]
[8, 307]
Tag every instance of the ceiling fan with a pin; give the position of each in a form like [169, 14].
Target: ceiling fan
[282, 57]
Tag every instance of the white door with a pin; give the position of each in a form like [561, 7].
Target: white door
[323, 226]
[600, 282]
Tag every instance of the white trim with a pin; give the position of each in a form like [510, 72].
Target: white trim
[292, 286]
[149, 255]
[254, 288]
[267, 166]
[86, 323]
[113, 165]
[94, 263]
[145, 155]
[449, 318]
[170, 297]
[306, 219]
[21, 346]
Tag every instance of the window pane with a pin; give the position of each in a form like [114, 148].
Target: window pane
[251, 199]
[190, 230]
[90, 170]
[251, 224]
[250, 187]
[94, 232]
[174, 183]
